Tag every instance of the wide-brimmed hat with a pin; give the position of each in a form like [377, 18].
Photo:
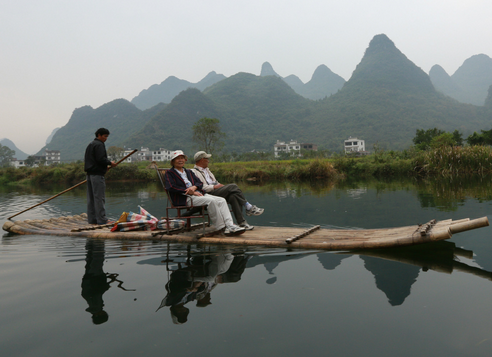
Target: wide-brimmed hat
[177, 153]
[201, 155]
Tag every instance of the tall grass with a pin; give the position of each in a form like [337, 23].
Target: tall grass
[275, 170]
[452, 161]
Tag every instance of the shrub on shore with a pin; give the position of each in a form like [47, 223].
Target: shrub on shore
[441, 161]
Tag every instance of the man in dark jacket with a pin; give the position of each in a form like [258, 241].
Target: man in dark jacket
[96, 164]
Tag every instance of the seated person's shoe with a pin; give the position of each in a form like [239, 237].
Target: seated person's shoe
[254, 211]
[234, 230]
[246, 226]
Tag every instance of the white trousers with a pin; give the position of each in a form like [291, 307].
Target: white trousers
[217, 209]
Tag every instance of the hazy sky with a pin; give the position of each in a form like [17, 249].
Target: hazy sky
[58, 55]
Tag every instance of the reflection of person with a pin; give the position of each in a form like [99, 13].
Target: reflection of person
[231, 192]
[185, 189]
[96, 164]
[196, 281]
[94, 281]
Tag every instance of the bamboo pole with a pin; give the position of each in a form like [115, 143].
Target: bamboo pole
[465, 226]
[68, 189]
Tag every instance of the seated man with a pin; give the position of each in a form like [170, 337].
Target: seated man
[233, 194]
[185, 189]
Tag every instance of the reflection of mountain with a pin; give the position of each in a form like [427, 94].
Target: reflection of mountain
[330, 261]
[395, 270]
[272, 261]
[393, 278]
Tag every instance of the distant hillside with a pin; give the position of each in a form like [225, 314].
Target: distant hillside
[252, 110]
[259, 110]
[470, 82]
[387, 98]
[385, 101]
[168, 89]
[171, 127]
[19, 154]
[443, 82]
[119, 116]
[50, 137]
[323, 83]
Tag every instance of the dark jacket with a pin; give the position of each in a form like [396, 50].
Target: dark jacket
[176, 186]
[96, 160]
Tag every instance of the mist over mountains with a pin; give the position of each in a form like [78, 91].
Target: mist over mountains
[385, 101]
[470, 82]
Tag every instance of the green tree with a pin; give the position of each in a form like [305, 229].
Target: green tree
[475, 139]
[485, 138]
[6, 155]
[445, 139]
[207, 135]
[458, 138]
[423, 138]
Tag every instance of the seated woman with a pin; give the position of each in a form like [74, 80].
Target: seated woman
[185, 189]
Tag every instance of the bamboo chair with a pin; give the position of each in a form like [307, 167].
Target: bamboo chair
[190, 211]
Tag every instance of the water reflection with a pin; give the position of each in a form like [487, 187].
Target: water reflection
[96, 282]
[196, 278]
[193, 277]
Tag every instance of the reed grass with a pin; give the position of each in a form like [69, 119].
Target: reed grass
[293, 170]
[454, 161]
[438, 162]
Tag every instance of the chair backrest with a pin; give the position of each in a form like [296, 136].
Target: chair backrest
[160, 174]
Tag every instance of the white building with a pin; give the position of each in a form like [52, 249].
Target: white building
[161, 155]
[131, 158]
[354, 145]
[52, 157]
[17, 163]
[293, 148]
[144, 154]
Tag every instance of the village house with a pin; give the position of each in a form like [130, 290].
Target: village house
[161, 155]
[17, 163]
[293, 148]
[354, 145]
[50, 157]
[144, 154]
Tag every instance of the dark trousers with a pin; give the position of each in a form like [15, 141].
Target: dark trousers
[96, 198]
[234, 196]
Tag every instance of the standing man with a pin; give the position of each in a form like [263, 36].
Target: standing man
[231, 192]
[96, 164]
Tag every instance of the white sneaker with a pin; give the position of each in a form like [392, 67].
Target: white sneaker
[246, 226]
[234, 230]
[254, 211]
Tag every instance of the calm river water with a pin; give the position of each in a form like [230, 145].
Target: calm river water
[67, 296]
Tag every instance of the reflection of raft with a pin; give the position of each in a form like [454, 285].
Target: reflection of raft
[281, 237]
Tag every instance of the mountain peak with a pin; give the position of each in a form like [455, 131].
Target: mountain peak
[267, 70]
[384, 66]
[379, 43]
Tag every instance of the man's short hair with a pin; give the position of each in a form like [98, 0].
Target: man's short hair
[102, 131]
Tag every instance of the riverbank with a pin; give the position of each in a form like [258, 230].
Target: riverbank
[445, 161]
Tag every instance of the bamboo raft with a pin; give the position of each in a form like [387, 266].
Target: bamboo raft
[279, 237]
